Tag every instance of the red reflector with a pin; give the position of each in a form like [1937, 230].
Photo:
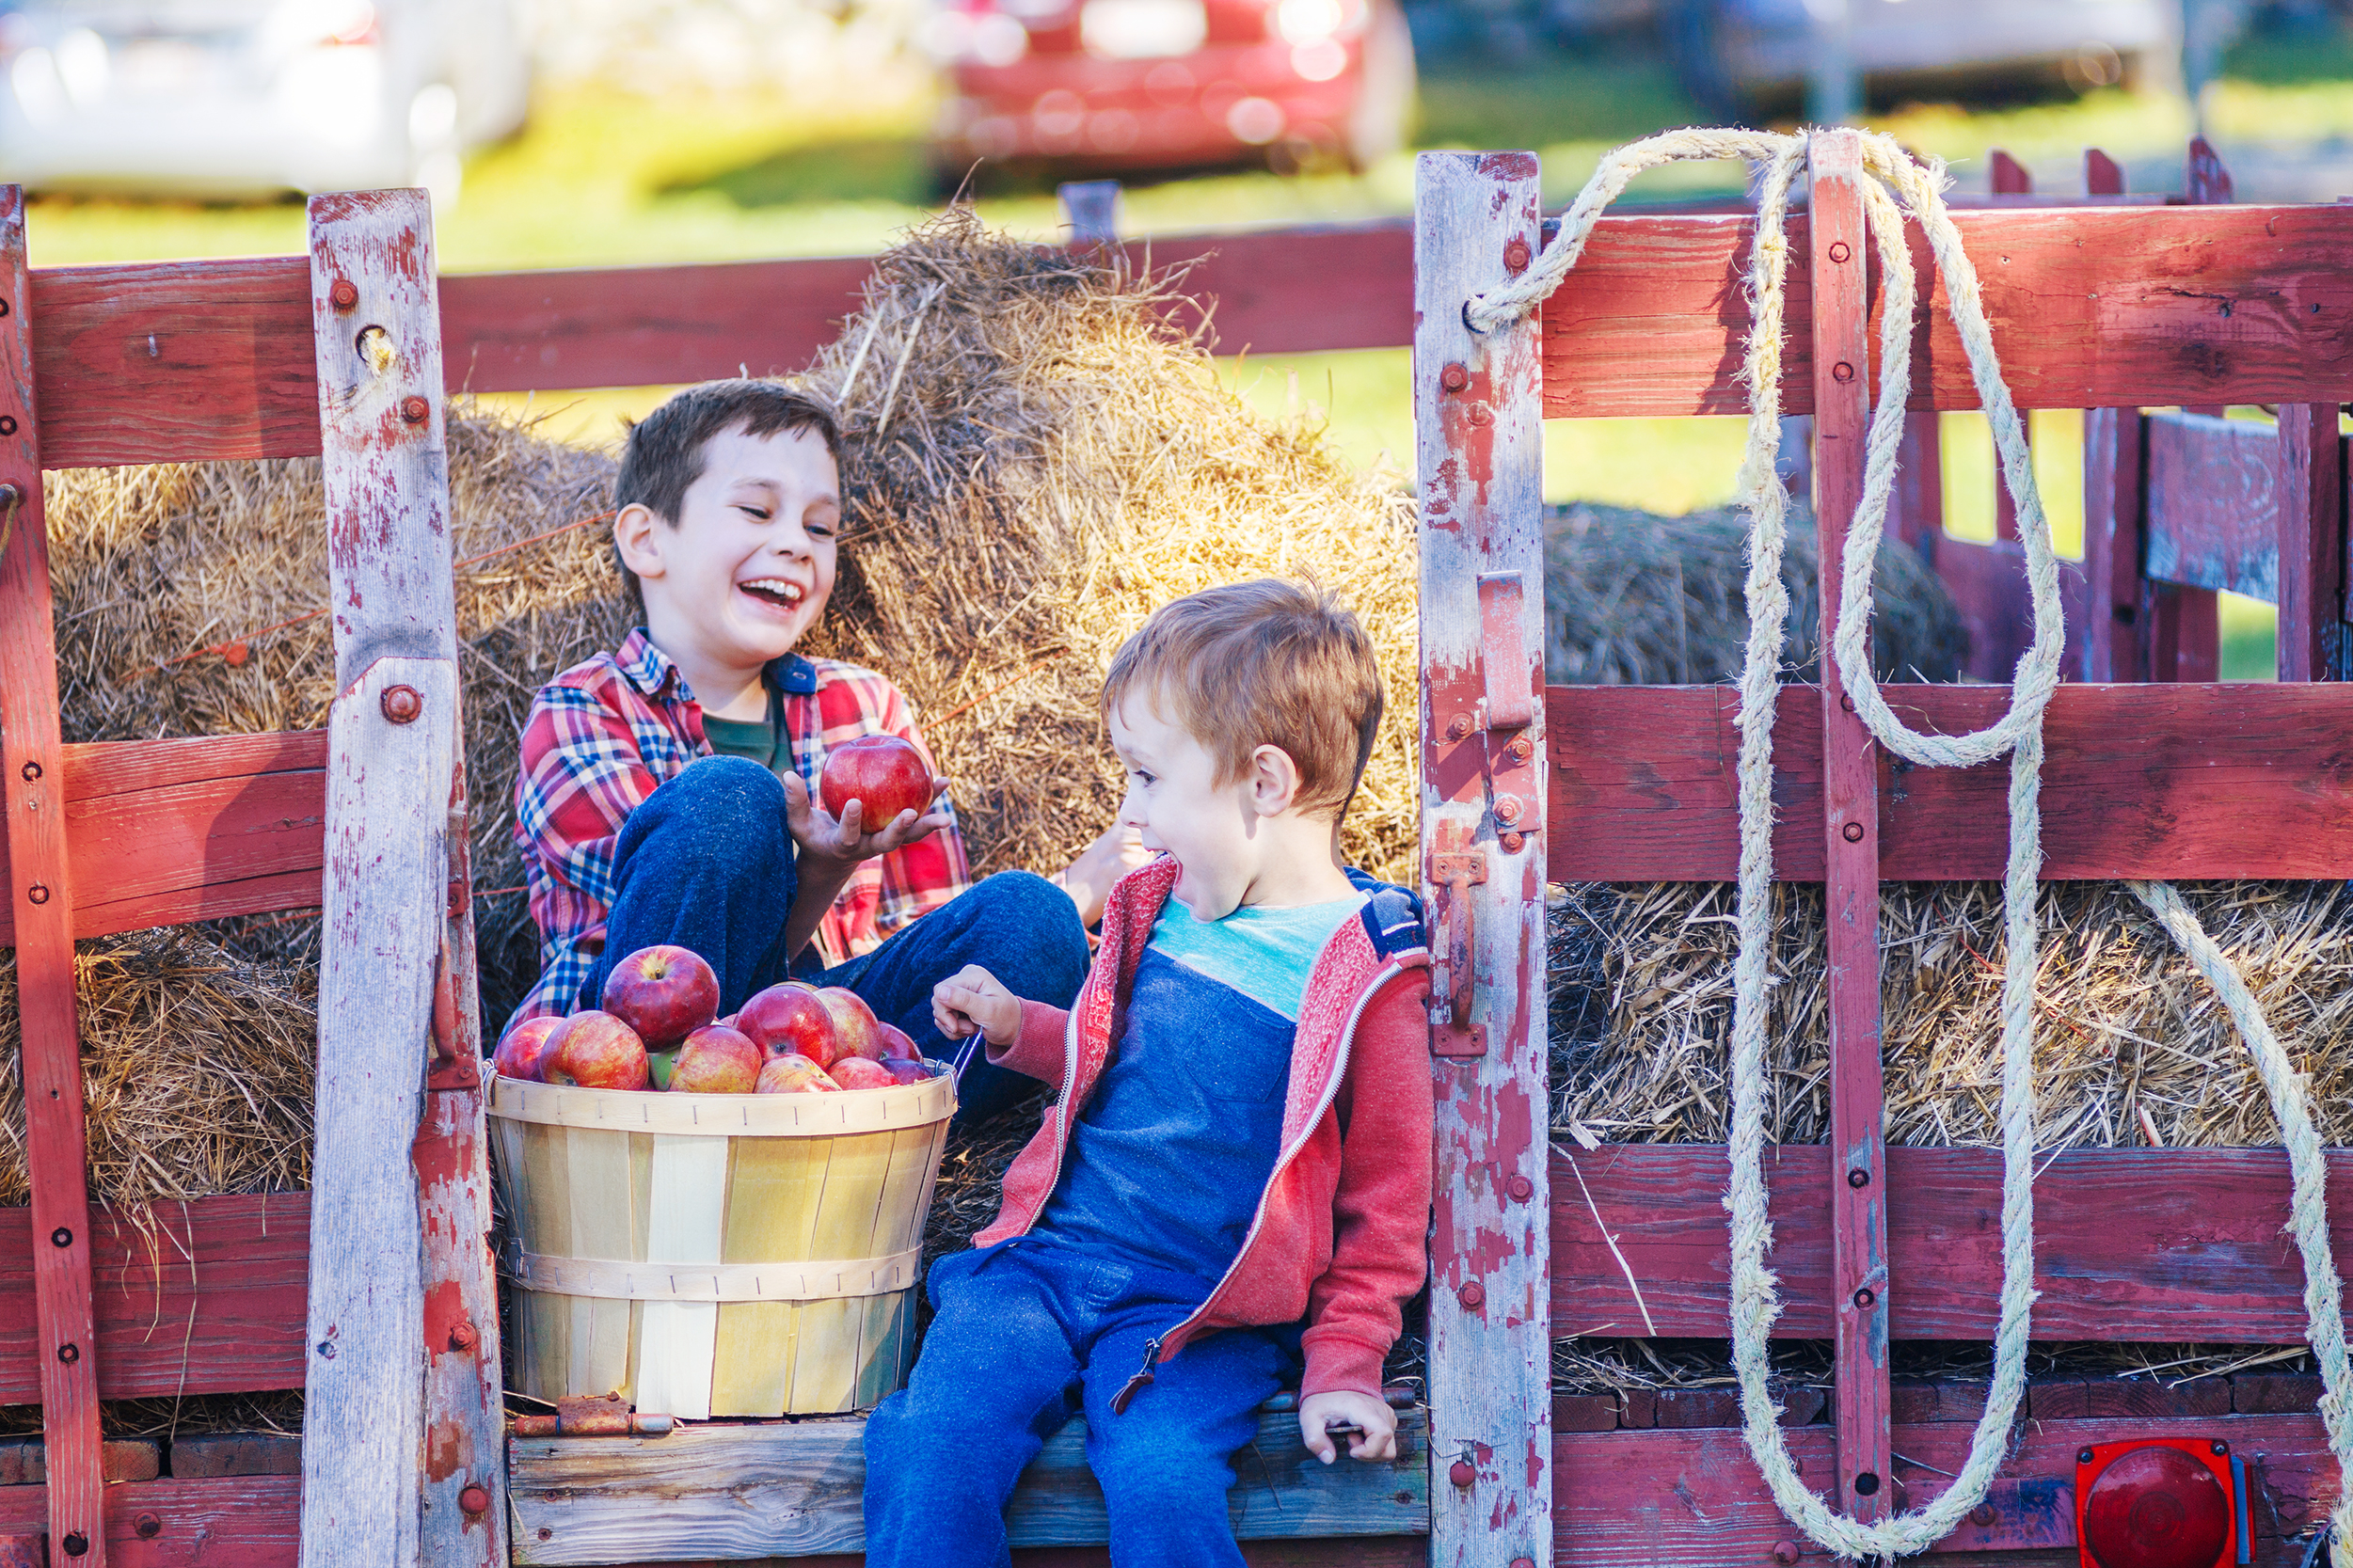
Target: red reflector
[2156, 1506]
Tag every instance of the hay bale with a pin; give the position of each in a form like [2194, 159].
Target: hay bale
[1641, 1008]
[1034, 463]
[1631, 598]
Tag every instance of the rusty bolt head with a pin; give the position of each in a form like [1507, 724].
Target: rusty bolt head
[462, 1336]
[68, 1353]
[545, 1534]
[1858, 1177]
[1511, 844]
[402, 704]
[1508, 811]
[31, 771]
[1982, 1515]
[416, 410]
[1517, 751]
[1454, 378]
[1846, 702]
[1462, 1472]
[1471, 1294]
[38, 893]
[147, 1526]
[1481, 415]
[1785, 1552]
[344, 295]
[1866, 1298]
[1523, 1563]
[1517, 255]
[1842, 373]
[474, 1499]
[1458, 726]
[1840, 250]
[1852, 833]
[61, 1237]
[76, 1543]
[1520, 1188]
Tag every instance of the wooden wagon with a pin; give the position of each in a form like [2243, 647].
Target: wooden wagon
[2111, 309]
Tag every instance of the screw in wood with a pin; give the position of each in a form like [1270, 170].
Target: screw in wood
[545, 1534]
[1520, 1188]
[1517, 255]
[2083, 1456]
[1842, 373]
[326, 1348]
[416, 410]
[1471, 1294]
[2221, 1447]
[1852, 833]
[1454, 378]
[1481, 415]
[1839, 251]
[8, 424]
[401, 704]
[1846, 702]
[1866, 1298]
[1866, 1484]
[76, 1543]
[474, 1499]
[68, 1353]
[147, 1526]
[1523, 1563]
[1785, 1552]
[61, 1237]
[37, 893]
[1982, 1515]
[31, 771]
[344, 295]
[1858, 1177]
[1462, 1473]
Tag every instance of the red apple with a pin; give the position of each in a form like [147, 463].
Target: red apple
[664, 993]
[856, 1031]
[716, 1060]
[904, 1070]
[519, 1052]
[793, 1073]
[857, 1073]
[884, 774]
[597, 1051]
[897, 1045]
[791, 1017]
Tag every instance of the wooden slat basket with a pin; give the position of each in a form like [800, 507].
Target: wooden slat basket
[716, 1255]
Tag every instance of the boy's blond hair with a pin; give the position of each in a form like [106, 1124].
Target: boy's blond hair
[1262, 663]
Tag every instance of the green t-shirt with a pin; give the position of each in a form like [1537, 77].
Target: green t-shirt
[755, 738]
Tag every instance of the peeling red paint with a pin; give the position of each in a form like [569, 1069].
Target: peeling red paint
[445, 1451]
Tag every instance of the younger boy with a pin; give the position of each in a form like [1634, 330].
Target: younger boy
[667, 789]
[1241, 1149]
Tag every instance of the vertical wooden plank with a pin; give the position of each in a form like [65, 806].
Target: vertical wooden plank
[1920, 503]
[2102, 174]
[2007, 176]
[2311, 495]
[41, 899]
[1478, 423]
[2185, 637]
[1851, 816]
[394, 745]
[1090, 208]
[2011, 178]
[2115, 500]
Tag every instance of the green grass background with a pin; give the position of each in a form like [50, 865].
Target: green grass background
[604, 176]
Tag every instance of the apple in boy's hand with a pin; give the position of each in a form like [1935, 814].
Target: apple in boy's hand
[518, 1053]
[884, 774]
[597, 1051]
[856, 1031]
[666, 993]
[791, 1017]
[793, 1073]
[905, 1069]
[860, 1072]
[716, 1059]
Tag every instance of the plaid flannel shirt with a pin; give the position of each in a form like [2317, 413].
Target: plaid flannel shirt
[603, 735]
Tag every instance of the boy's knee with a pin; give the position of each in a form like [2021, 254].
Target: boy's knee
[1161, 1475]
[723, 802]
[726, 784]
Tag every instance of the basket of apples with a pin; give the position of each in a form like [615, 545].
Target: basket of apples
[715, 1216]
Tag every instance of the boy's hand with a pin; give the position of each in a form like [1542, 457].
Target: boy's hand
[973, 1002]
[1377, 1424]
[845, 840]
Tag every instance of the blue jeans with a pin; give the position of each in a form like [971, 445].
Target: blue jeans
[1027, 1334]
[706, 864]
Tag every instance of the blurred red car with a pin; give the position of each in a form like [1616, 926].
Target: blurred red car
[1110, 86]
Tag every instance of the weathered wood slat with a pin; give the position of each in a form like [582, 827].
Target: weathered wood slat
[2213, 504]
[165, 831]
[244, 1522]
[2115, 496]
[2171, 782]
[1480, 445]
[1988, 584]
[2090, 308]
[794, 1489]
[40, 902]
[2141, 1244]
[205, 1297]
[175, 361]
[2310, 551]
[1667, 1500]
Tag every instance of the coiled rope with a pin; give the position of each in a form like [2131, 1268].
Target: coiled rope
[1896, 185]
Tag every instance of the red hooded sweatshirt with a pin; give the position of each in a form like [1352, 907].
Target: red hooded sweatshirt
[1340, 1233]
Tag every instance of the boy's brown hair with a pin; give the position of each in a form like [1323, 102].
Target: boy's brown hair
[1262, 663]
[664, 454]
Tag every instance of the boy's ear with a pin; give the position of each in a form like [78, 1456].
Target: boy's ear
[637, 534]
[1274, 780]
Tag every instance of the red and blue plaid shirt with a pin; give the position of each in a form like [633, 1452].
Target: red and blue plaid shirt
[603, 735]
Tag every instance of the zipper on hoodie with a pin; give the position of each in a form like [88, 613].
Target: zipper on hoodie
[1141, 1379]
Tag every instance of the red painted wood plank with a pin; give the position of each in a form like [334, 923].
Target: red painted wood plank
[163, 831]
[2090, 308]
[2184, 633]
[2311, 542]
[207, 1299]
[2213, 503]
[175, 361]
[1916, 515]
[1851, 843]
[2115, 496]
[2137, 1244]
[2168, 781]
[1666, 1499]
[2102, 174]
[242, 1521]
[41, 895]
[1988, 584]
[2007, 175]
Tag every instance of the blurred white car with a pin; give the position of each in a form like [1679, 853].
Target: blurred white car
[236, 97]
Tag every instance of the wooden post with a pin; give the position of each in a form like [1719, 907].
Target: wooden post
[1842, 384]
[1091, 210]
[2102, 174]
[2185, 625]
[391, 778]
[40, 896]
[1919, 505]
[2010, 178]
[2310, 494]
[2114, 503]
[1478, 414]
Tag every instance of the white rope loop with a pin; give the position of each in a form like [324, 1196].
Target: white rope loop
[1897, 185]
